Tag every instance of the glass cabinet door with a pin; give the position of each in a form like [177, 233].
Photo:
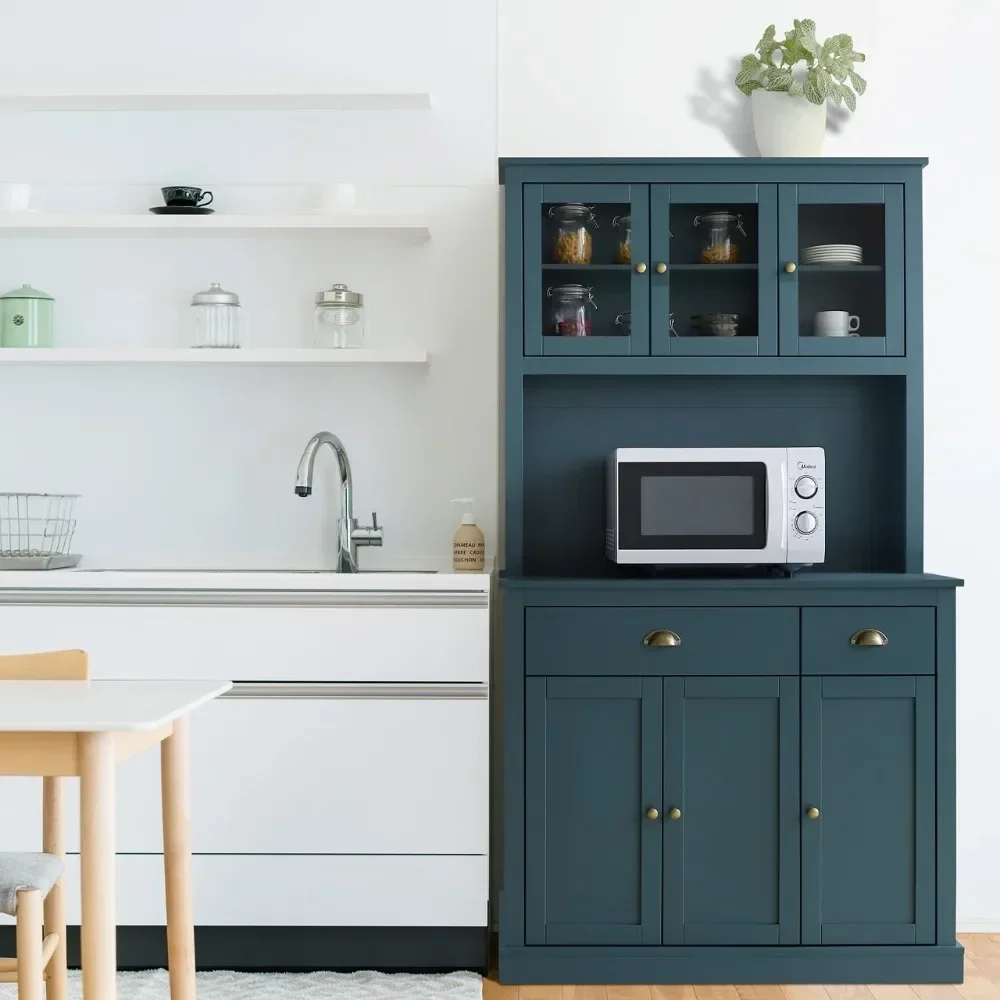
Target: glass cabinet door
[586, 269]
[713, 250]
[840, 274]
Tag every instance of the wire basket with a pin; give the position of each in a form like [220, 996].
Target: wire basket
[36, 525]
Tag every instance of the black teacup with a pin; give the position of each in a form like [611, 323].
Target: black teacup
[186, 197]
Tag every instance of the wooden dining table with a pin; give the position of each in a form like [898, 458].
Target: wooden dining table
[83, 729]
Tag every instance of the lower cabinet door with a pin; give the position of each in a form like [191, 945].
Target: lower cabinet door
[730, 811]
[593, 826]
[867, 821]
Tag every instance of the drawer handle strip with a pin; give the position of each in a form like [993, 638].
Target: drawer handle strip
[661, 637]
[869, 637]
[332, 691]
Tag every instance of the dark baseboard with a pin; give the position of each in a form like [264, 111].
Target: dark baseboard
[299, 949]
[709, 964]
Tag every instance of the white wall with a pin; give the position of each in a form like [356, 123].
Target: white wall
[651, 78]
[195, 467]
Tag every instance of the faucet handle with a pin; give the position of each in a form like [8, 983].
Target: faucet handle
[374, 521]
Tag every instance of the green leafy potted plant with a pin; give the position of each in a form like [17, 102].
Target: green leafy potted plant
[789, 81]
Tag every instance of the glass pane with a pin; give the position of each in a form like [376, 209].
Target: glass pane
[713, 270]
[841, 271]
[586, 270]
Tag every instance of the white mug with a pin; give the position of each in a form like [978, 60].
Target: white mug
[15, 197]
[835, 323]
[339, 198]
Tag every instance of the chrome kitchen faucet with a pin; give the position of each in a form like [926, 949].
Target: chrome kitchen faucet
[349, 535]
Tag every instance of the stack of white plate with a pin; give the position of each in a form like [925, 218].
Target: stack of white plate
[833, 253]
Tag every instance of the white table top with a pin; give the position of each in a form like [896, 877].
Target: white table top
[100, 706]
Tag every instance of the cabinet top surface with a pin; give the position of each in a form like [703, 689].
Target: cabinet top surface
[506, 162]
[800, 581]
[100, 706]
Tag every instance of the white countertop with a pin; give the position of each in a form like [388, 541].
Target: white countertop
[248, 580]
[100, 706]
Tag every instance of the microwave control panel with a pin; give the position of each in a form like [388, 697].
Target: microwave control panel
[806, 505]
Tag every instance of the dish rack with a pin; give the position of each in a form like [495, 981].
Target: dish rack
[36, 530]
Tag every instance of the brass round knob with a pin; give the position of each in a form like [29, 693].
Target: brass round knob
[790, 267]
[641, 268]
[674, 813]
[812, 812]
[652, 813]
[661, 267]
[869, 637]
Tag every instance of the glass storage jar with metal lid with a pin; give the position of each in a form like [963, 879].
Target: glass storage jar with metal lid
[340, 317]
[215, 318]
[623, 223]
[573, 241]
[718, 245]
[570, 311]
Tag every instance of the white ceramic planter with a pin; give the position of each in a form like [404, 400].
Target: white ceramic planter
[787, 126]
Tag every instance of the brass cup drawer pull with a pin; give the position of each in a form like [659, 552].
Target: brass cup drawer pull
[869, 637]
[661, 637]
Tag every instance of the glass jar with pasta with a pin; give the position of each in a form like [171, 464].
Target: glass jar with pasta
[572, 239]
[623, 223]
[718, 244]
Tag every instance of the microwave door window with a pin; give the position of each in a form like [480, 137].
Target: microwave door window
[693, 505]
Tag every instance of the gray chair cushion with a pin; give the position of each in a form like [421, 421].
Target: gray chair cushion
[26, 871]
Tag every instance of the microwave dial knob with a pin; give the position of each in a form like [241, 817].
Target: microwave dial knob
[805, 523]
[805, 487]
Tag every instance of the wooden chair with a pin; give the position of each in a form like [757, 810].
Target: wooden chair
[34, 881]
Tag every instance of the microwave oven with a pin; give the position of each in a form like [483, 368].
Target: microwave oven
[707, 506]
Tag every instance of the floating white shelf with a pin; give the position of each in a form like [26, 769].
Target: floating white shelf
[218, 101]
[206, 356]
[218, 224]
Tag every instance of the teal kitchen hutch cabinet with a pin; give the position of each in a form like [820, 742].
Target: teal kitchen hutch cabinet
[722, 778]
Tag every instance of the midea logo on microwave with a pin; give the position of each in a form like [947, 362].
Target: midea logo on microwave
[805, 465]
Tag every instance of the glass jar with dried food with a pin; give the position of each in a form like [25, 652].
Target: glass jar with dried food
[570, 311]
[572, 240]
[623, 223]
[623, 324]
[718, 245]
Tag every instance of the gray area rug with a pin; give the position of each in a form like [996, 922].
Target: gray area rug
[154, 985]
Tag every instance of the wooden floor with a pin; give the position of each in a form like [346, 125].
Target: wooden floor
[982, 982]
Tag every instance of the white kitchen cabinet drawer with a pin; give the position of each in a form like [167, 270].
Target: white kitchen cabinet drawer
[324, 775]
[260, 643]
[302, 891]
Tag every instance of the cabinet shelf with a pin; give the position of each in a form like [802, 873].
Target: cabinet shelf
[842, 268]
[675, 364]
[216, 101]
[587, 267]
[41, 223]
[189, 356]
[707, 268]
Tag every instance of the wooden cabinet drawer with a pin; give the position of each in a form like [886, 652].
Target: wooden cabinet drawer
[831, 643]
[723, 641]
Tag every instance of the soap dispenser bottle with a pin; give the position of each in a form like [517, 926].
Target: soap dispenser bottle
[468, 554]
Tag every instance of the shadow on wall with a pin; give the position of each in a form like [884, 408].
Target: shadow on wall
[716, 102]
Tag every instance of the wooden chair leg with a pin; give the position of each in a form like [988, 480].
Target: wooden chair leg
[29, 945]
[53, 842]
